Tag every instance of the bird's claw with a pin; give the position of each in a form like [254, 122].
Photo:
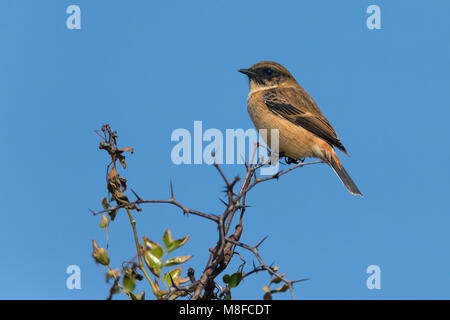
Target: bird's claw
[287, 160]
[290, 160]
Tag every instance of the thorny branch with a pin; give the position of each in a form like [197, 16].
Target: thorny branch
[206, 287]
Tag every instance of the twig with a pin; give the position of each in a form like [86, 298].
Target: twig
[205, 287]
[139, 252]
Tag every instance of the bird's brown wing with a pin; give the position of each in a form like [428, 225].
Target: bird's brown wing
[295, 105]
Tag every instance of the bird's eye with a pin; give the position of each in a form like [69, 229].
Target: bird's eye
[268, 72]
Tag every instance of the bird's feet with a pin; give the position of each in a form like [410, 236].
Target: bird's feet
[290, 160]
[287, 160]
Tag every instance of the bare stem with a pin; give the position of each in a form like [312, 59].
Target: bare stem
[139, 253]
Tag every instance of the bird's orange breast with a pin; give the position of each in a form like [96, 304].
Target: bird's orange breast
[294, 141]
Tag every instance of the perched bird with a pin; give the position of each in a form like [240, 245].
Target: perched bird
[277, 101]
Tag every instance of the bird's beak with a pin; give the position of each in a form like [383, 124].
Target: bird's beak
[247, 72]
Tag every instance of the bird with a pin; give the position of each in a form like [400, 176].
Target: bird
[276, 101]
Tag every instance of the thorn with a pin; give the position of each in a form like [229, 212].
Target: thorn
[93, 212]
[261, 241]
[173, 283]
[171, 191]
[136, 195]
[301, 280]
[226, 204]
[229, 188]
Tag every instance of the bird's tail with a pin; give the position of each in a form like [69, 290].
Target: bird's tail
[343, 175]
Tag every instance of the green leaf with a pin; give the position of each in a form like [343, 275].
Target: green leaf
[177, 260]
[133, 297]
[235, 279]
[173, 244]
[156, 249]
[129, 283]
[177, 243]
[167, 238]
[226, 278]
[153, 262]
[175, 273]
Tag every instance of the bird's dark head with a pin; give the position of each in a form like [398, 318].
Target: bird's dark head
[268, 74]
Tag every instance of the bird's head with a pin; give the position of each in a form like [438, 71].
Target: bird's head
[268, 74]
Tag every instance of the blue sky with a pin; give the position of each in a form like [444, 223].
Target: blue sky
[148, 68]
